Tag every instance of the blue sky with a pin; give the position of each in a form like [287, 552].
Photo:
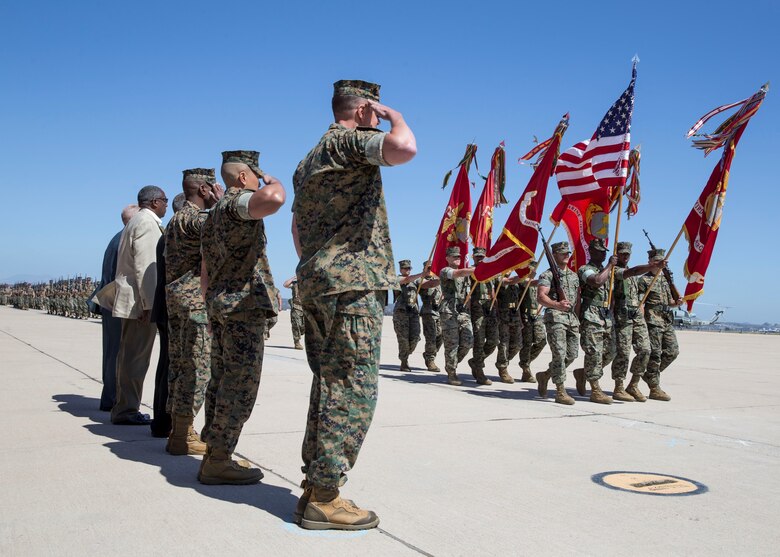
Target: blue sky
[102, 98]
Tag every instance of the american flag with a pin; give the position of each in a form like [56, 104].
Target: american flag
[601, 162]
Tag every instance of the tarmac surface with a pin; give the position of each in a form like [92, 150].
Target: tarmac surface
[490, 470]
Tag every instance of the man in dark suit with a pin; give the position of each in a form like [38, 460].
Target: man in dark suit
[112, 326]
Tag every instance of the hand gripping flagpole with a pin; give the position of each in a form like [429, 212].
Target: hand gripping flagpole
[427, 266]
[614, 247]
[658, 272]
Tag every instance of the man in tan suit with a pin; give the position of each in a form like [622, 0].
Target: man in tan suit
[136, 279]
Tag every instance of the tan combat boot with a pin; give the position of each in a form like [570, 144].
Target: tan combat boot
[561, 396]
[405, 366]
[597, 395]
[300, 508]
[298, 345]
[183, 440]
[541, 379]
[479, 377]
[432, 366]
[452, 378]
[527, 376]
[579, 376]
[219, 468]
[505, 377]
[633, 389]
[619, 393]
[326, 510]
[657, 393]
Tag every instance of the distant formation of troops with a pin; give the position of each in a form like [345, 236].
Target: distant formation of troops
[505, 315]
[64, 297]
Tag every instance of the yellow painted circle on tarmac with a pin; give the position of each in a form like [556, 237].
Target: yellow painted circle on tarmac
[649, 483]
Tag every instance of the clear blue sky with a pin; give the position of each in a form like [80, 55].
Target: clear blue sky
[101, 98]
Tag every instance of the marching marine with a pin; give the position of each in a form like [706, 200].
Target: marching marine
[659, 316]
[455, 319]
[560, 319]
[431, 321]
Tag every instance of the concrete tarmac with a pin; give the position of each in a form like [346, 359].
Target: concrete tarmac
[490, 470]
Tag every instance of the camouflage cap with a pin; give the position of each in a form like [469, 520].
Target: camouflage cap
[560, 247]
[453, 251]
[357, 88]
[206, 174]
[623, 247]
[249, 158]
[656, 254]
[405, 264]
[478, 252]
[597, 244]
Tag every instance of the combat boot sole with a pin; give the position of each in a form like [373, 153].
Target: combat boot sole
[372, 521]
[218, 480]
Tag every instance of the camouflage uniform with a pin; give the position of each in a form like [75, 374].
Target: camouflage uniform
[534, 333]
[484, 323]
[456, 329]
[510, 324]
[406, 319]
[239, 298]
[658, 314]
[189, 344]
[296, 313]
[563, 327]
[597, 335]
[346, 261]
[431, 322]
[630, 327]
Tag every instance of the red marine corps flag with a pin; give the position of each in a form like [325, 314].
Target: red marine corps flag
[516, 246]
[590, 173]
[454, 227]
[481, 230]
[702, 225]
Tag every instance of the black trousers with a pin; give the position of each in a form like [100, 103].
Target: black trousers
[161, 423]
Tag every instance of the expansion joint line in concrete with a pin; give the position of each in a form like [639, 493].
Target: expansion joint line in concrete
[56, 359]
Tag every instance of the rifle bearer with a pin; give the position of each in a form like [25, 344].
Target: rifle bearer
[558, 290]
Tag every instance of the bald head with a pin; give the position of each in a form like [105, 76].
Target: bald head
[230, 172]
[129, 212]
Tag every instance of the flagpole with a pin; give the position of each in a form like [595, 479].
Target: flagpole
[658, 272]
[549, 239]
[495, 294]
[427, 267]
[614, 247]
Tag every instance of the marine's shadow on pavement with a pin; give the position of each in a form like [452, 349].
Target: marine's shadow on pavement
[135, 443]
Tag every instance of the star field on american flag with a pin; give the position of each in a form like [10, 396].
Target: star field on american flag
[600, 164]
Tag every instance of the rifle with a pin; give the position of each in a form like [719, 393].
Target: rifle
[556, 272]
[667, 272]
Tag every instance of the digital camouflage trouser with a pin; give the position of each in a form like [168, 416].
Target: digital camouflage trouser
[237, 348]
[630, 333]
[189, 371]
[297, 322]
[484, 325]
[598, 343]
[406, 323]
[343, 341]
[458, 338]
[510, 336]
[563, 339]
[431, 326]
[534, 341]
[663, 351]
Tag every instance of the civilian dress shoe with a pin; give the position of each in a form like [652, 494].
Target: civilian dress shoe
[135, 419]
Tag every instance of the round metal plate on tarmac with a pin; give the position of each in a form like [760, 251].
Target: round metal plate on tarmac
[649, 483]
